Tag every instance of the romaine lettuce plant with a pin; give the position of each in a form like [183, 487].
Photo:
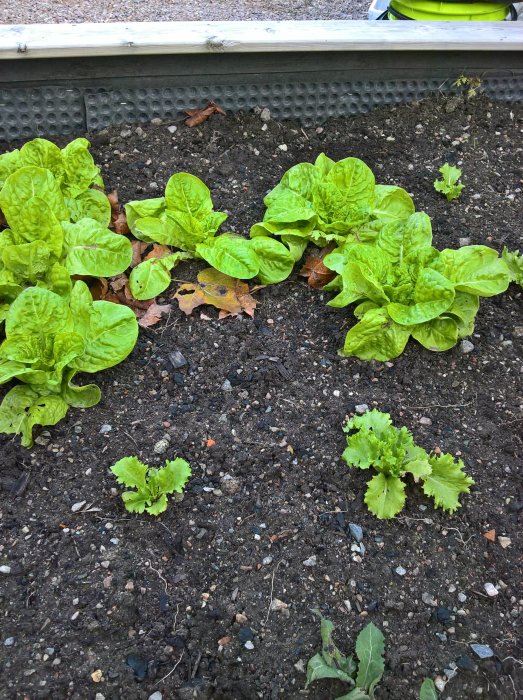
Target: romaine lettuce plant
[74, 172]
[404, 287]
[185, 219]
[328, 201]
[48, 340]
[373, 441]
[151, 485]
[331, 663]
[42, 247]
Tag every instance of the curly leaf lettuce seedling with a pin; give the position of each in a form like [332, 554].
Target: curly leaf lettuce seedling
[331, 663]
[152, 485]
[448, 185]
[373, 441]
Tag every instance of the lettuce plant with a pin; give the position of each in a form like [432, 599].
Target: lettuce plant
[185, 219]
[448, 184]
[48, 340]
[404, 287]
[151, 485]
[328, 201]
[331, 663]
[373, 441]
[42, 247]
[73, 170]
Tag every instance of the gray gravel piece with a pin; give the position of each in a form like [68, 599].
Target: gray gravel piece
[26, 12]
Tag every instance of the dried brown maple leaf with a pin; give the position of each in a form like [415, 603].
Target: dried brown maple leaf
[317, 274]
[158, 251]
[118, 291]
[226, 293]
[153, 314]
[198, 116]
[118, 219]
[139, 248]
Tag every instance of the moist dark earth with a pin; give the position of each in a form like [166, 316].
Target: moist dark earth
[89, 593]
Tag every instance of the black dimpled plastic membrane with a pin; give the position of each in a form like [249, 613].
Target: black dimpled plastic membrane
[26, 112]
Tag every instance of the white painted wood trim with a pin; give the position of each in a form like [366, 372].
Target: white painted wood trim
[135, 38]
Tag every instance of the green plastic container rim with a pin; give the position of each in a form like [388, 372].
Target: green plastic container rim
[456, 11]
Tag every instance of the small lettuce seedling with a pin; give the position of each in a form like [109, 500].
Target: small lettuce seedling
[331, 663]
[448, 185]
[373, 441]
[152, 485]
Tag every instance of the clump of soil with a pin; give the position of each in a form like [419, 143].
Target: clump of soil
[99, 603]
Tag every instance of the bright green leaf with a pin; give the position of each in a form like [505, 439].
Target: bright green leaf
[370, 648]
[91, 249]
[446, 482]
[385, 495]
[230, 254]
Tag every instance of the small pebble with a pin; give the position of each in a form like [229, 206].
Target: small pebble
[176, 359]
[99, 696]
[106, 428]
[265, 114]
[311, 561]
[283, 147]
[4, 569]
[463, 242]
[505, 542]
[462, 597]
[400, 571]
[267, 560]
[491, 590]
[161, 446]
[425, 421]
[78, 506]
[171, 129]
[356, 531]
[9, 642]
[226, 386]
[361, 408]
[466, 346]
[482, 650]
[336, 393]
[429, 600]
[249, 645]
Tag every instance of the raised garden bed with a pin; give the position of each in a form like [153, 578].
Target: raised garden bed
[272, 394]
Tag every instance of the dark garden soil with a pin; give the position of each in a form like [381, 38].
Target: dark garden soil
[89, 591]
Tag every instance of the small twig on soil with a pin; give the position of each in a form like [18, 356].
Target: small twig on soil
[463, 542]
[437, 405]
[196, 665]
[148, 563]
[483, 595]
[131, 438]
[513, 659]
[173, 669]
[272, 590]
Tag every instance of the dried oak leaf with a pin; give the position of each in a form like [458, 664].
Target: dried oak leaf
[195, 117]
[317, 274]
[118, 219]
[226, 293]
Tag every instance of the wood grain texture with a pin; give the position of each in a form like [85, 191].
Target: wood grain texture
[140, 38]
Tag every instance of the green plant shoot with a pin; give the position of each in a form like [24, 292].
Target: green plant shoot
[448, 184]
[331, 663]
[151, 486]
[372, 441]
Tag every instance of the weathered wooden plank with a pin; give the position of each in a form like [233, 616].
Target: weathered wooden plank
[141, 38]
